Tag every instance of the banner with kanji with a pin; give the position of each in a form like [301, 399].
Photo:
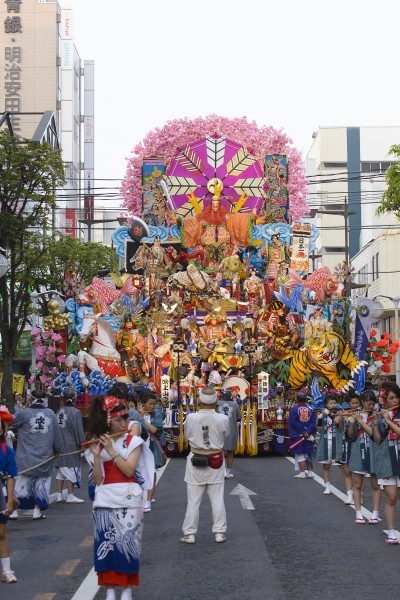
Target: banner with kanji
[299, 260]
[277, 194]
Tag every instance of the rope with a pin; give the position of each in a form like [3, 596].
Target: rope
[94, 441]
[48, 460]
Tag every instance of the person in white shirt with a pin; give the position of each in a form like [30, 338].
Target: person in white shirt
[205, 431]
[215, 377]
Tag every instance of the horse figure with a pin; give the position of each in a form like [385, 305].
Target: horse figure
[103, 345]
[81, 360]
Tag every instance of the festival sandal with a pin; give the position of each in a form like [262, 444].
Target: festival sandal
[392, 540]
[374, 520]
[360, 520]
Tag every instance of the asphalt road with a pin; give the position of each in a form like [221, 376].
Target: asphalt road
[286, 541]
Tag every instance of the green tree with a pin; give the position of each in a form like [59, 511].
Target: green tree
[391, 197]
[71, 264]
[30, 172]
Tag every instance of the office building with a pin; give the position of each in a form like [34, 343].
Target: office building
[42, 72]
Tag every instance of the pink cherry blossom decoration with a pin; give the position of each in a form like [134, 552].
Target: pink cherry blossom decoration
[179, 132]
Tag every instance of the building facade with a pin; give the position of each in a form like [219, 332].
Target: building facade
[348, 164]
[346, 168]
[42, 71]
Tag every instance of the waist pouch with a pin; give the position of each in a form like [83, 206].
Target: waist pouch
[215, 461]
[199, 460]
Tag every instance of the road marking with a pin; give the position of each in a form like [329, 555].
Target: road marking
[44, 596]
[243, 493]
[366, 513]
[89, 586]
[87, 542]
[68, 567]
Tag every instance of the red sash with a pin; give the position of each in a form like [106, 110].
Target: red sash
[113, 475]
[361, 430]
[394, 417]
[111, 472]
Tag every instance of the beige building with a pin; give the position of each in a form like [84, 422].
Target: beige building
[41, 71]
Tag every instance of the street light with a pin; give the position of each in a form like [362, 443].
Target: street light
[34, 298]
[396, 301]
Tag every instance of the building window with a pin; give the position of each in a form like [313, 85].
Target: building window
[363, 275]
[334, 249]
[375, 266]
[375, 167]
[334, 165]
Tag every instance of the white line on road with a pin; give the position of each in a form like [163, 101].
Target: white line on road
[366, 513]
[88, 588]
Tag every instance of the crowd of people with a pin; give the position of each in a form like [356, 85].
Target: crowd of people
[121, 425]
[364, 440]
[125, 447]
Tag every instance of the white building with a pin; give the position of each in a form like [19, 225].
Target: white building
[348, 164]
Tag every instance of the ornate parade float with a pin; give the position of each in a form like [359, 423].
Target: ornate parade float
[216, 277]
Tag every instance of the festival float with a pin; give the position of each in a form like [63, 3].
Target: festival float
[216, 255]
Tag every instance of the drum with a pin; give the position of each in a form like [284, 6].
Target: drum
[239, 382]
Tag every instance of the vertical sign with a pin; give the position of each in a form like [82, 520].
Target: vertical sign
[165, 388]
[362, 329]
[299, 260]
[153, 200]
[277, 193]
[70, 221]
[13, 62]
[262, 390]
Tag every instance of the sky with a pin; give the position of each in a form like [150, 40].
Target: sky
[295, 65]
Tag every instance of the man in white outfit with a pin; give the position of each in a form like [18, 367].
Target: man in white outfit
[206, 431]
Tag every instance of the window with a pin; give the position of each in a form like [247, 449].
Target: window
[334, 249]
[334, 165]
[375, 266]
[363, 275]
[375, 167]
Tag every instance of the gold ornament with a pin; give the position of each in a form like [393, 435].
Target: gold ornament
[52, 305]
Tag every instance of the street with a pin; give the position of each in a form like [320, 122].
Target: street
[285, 539]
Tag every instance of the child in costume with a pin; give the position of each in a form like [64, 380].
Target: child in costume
[302, 424]
[361, 462]
[387, 458]
[121, 467]
[354, 406]
[330, 441]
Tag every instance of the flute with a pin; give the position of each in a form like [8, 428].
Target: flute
[97, 440]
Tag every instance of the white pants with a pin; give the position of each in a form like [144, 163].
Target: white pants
[215, 492]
